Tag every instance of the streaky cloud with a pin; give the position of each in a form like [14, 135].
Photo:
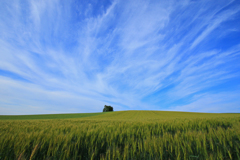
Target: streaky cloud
[71, 56]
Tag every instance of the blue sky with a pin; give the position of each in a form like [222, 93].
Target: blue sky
[66, 56]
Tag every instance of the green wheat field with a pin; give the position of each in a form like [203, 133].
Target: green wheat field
[128, 135]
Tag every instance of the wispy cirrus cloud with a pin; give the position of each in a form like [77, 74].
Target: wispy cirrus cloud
[74, 56]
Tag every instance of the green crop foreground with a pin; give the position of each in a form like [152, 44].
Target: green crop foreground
[124, 135]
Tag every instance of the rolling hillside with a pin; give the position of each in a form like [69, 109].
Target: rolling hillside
[121, 135]
[48, 116]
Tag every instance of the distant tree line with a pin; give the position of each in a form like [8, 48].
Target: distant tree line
[107, 108]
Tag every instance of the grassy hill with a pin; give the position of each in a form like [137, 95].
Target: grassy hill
[48, 116]
[121, 135]
[157, 115]
[121, 116]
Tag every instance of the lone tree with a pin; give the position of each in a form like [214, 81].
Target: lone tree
[107, 108]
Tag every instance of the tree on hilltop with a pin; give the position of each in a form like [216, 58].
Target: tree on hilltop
[107, 108]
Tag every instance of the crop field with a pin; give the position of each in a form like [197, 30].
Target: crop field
[49, 116]
[121, 135]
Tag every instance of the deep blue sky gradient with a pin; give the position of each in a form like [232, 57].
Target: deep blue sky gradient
[76, 56]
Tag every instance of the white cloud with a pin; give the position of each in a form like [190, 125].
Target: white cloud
[225, 102]
[213, 25]
[123, 54]
[28, 98]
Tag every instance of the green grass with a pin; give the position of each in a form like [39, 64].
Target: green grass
[124, 135]
[48, 116]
